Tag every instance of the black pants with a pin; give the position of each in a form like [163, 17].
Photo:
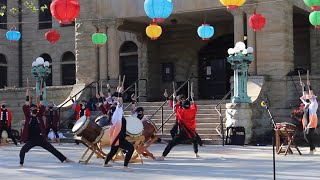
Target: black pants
[308, 136]
[124, 144]
[9, 135]
[199, 140]
[174, 130]
[55, 130]
[42, 143]
[177, 140]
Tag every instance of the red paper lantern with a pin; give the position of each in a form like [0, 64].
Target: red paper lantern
[257, 22]
[52, 36]
[65, 11]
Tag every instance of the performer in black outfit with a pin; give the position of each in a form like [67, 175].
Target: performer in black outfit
[34, 131]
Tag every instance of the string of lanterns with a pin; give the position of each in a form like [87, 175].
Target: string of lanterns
[314, 17]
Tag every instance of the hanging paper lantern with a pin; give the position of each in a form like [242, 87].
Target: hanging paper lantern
[232, 4]
[158, 10]
[13, 35]
[313, 4]
[153, 31]
[65, 11]
[257, 22]
[52, 36]
[205, 31]
[99, 39]
[314, 19]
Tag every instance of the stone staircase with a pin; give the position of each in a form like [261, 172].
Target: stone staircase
[207, 120]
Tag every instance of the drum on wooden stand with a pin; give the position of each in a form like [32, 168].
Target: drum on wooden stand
[149, 129]
[87, 129]
[134, 126]
[105, 140]
[102, 120]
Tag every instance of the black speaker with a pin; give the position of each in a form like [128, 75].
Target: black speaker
[235, 136]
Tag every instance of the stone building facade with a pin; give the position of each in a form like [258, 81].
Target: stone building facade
[287, 42]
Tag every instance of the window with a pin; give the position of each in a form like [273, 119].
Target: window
[3, 71]
[3, 19]
[47, 57]
[45, 17]
[68, 25]
[68, 68]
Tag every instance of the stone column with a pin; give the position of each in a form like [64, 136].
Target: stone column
[86, 54]
[240, 114]
[103, 55]
[113, 49]
[251, 40]
[238, 26]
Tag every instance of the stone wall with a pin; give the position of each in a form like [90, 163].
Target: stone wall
[15, 99]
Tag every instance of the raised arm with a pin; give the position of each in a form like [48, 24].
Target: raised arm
[310, 89]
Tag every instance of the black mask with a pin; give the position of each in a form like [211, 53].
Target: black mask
[140, 116]
[308, 100]
[3, 106]
[50, 107]
[34, 111]
[186, 104]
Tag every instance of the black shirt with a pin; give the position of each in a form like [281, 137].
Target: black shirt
[82, 112]
[50, 117]
[34, 129]
[4, 118]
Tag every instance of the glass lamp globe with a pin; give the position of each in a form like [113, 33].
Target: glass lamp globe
[46, 64]
[40, 60]
[230, 51]
[250, 50]
[244, 52]
[236, 50]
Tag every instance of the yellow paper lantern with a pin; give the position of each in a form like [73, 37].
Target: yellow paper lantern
[232, 4]
[153, 31]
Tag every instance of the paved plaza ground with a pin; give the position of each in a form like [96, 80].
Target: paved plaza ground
[216, 162]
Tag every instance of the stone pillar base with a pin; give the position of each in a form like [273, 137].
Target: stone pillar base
[240, 114]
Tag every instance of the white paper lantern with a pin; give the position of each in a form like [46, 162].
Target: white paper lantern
[230, 51]
[250, 50]
[46, 64]
[40, 60]
[236, 50]
[241, 45]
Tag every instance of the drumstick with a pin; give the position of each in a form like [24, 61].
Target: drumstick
[300, 82]
[191, 91]
[28, 83]
[124, 78]
[174, 90]
[119, 81]
[101, 86]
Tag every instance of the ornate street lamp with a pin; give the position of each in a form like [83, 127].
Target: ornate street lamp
[240, 59]
[40, 70]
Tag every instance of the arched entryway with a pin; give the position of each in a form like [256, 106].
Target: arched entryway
[129, 64]
[3, 71]
[68, 69]
[47, 57]
[214, 70]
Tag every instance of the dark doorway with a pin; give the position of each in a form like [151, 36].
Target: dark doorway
[68, 68]
[214, 70]
[47, 57]
[129, 65]
[3, 71]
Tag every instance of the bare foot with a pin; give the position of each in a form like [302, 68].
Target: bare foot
[197, 156]
[126, 169]
[106, 165]
[160, 158]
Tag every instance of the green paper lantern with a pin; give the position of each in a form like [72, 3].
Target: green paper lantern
[313, 4]
[99, 39]
[314, 19]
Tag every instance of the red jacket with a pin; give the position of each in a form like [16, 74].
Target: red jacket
[104, 108]
[77, 108]
[187, 119]
[25, 131]
[8, 119]
[55, 118]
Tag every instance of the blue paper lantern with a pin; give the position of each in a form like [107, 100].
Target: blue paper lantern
[158, 10]
[13, 35]
[205, 31]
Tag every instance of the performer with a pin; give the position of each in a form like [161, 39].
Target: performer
[186, 118]
[52, 119]
[81, 109]
[179, 99]
[310, 119]
[105, 104]
[118, 133]
[5, 118]
[34, 132]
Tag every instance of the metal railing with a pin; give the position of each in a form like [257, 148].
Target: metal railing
[163, 122]
[135, 84]
[220, 128]
[74, 96]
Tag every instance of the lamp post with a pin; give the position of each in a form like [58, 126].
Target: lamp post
[40, 71]
[240, 59]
